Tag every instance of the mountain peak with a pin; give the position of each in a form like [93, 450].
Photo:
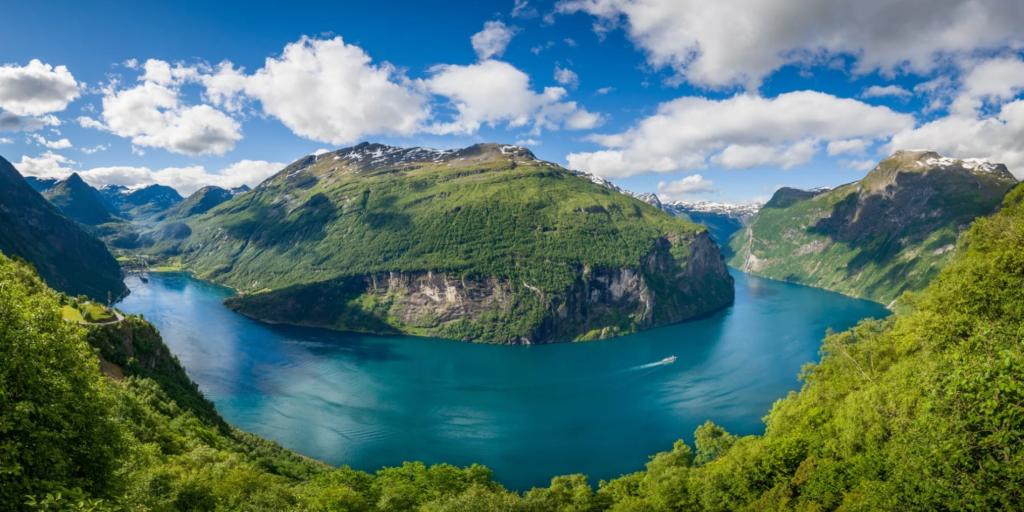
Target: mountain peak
[926, 160]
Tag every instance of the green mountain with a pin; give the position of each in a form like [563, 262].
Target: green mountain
[68, 258]
[78, 200]
[922, 411]
[201, 201]
[889, 233]
[485, 243]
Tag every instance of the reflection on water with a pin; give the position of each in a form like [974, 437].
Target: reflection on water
[527, 412]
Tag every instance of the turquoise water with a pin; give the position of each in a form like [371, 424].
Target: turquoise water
[527, 412]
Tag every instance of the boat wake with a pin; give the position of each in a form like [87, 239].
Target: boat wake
[667, 360]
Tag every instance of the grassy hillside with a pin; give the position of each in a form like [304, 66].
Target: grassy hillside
[68, 258]
[923, 411]
[891, 232]
[485, 243]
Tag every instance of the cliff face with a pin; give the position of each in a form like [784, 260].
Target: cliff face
[891, 232]
[603, 302]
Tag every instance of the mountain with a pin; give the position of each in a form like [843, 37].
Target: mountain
[239, 190]
[148, 201]
[201, 201]
[891, 232]
[81, 202]
[485, 243]
[68, 258]
[721, 219]
[41, 184]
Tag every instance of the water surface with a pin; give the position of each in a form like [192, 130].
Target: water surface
[527, 412]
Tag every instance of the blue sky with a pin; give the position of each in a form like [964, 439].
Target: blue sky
[719, 102]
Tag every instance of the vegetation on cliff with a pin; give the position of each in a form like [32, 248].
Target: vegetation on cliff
[891, 232]
[514, 240]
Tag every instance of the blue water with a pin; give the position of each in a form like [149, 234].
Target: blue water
[527, 412]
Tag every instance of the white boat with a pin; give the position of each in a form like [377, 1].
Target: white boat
[669, 359]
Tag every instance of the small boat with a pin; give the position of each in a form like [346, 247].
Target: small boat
[668, 360]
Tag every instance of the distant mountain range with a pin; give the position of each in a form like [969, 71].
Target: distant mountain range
[891, 232]
[64, 254]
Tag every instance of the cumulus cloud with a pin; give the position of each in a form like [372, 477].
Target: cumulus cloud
[5, 140]
[522, 9]
[741, 131]
[325, 90]
[877, 91]
[185, 180]
[95, 149]
[984, 119]
[740, 42]
[493, 39]
[52, 144]
[153, 115]
[684, 188]
[604, 90]
[566, 77]
[493, 92]
[850, 146]
[36, 89]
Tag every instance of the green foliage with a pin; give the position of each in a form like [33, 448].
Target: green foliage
[890, 233]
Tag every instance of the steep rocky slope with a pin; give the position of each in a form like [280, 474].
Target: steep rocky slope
[486, 243]
[67, 258]
[891, 232]
[201, 201]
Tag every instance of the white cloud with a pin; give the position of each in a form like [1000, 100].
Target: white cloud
[36, 89]
[970, 130]
[5, 140]
[88, 122]
[877, 91]
[570, 41]
[321, 151]
[566, 77]
[131, 64]
[95, 149]
[46, 165]
[493, 92]
[522, 9]
[528, 142]
[537, 49]
[858, 165]
[741, 131]
[52, 144]
[493, 39]
[603, 91]
[740, 42]
[682, 189]
[325, 90]
[185, 180]
[851, 146]
[786, 156]
[152, 115]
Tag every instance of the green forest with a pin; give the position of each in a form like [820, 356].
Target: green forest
[922, 411]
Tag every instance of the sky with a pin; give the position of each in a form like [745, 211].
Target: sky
[689, 99]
